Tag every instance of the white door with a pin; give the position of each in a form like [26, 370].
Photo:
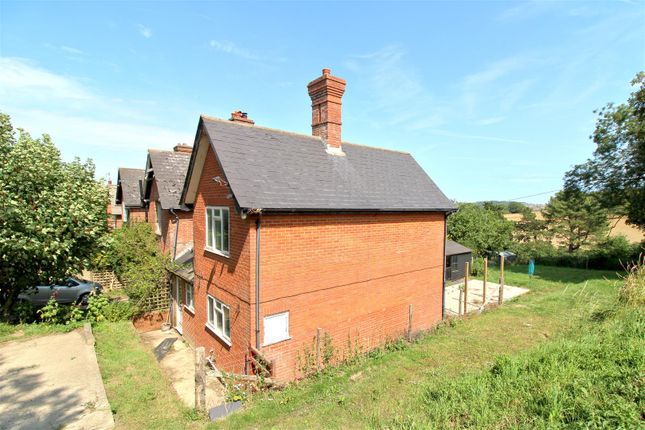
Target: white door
[177, 307]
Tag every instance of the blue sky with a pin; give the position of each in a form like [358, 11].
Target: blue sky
[494, 99]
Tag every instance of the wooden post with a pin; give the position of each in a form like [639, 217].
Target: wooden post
[500, 299]
[467, 273]
[318, 348]
[410, 323]
[485, 281]
[200, 378]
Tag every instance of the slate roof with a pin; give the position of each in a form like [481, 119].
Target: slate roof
[454, 248]
[129, 189]
[170, 173]
[276, 170]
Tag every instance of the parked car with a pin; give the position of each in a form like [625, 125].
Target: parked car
[72, 291]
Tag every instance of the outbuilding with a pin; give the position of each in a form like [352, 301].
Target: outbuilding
[456, 257]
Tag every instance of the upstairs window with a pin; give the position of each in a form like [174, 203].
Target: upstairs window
[217, 230]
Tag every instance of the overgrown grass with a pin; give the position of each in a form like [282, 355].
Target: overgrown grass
[9, 332]
[140, 395]
[397, 388]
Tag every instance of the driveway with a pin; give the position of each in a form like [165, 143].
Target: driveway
[52, 382]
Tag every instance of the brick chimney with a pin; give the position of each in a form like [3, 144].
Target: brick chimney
[183, 147]
[326, 93]
[241, 117]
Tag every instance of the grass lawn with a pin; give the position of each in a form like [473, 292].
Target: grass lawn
[140, 395]
[9, 332]
[392, 389]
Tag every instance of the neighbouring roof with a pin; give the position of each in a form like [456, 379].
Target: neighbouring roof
[276, 170]
[169, 169]
[129, 187]
[184, 261]
[454, 248]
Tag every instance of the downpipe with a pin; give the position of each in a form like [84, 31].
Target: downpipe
[174, 247]
[258, 227]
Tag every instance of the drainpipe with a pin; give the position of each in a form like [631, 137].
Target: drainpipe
[258, 225]
[174, 248]
[443, 271]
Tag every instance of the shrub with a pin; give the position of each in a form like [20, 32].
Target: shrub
[132, 252]
[119, 311]
[613, 253]
[477, 267]
[25, 312]
[52, 312]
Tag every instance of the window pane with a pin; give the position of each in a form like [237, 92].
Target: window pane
[227, 323]
[209, 228]
[210, 310]
[225, 230]
[218, 322]
[218, 234]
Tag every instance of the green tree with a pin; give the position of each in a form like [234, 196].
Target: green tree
[485, 230]
[133, 253]
[51, 213]
[616, 172]
[576, 218]
[530, 228]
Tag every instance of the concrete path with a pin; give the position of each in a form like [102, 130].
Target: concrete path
[52, 382]
[475, 295]
[177, 359]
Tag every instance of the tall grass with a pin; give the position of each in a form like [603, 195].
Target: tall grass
[591, 379]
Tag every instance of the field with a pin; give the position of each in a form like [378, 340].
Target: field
[633, 234]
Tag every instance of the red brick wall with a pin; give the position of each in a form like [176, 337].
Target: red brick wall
[353, 275]
[136, 214]
[225, 278]
[168, 225]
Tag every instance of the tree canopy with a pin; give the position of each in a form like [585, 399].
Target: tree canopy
[576, 218]
[483, 229]
[52, 213]
[616, 172]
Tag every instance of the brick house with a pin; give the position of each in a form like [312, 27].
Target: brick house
[165, 174]
[129, 195]
[295, 233]
[113, 209]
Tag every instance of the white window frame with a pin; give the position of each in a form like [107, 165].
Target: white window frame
[158, 212]
[213, 247]
[279, 337]
[190, 303]
[216, 309]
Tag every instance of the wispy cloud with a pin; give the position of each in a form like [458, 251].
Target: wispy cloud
[483, 84]
[396, 89]
[71, 50]
[145, 31]
[19, 78]
[231, 48]
[490, 121]
[74, 114]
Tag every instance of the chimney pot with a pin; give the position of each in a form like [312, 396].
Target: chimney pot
[183, 147]
[241, 117]
[326, 93]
